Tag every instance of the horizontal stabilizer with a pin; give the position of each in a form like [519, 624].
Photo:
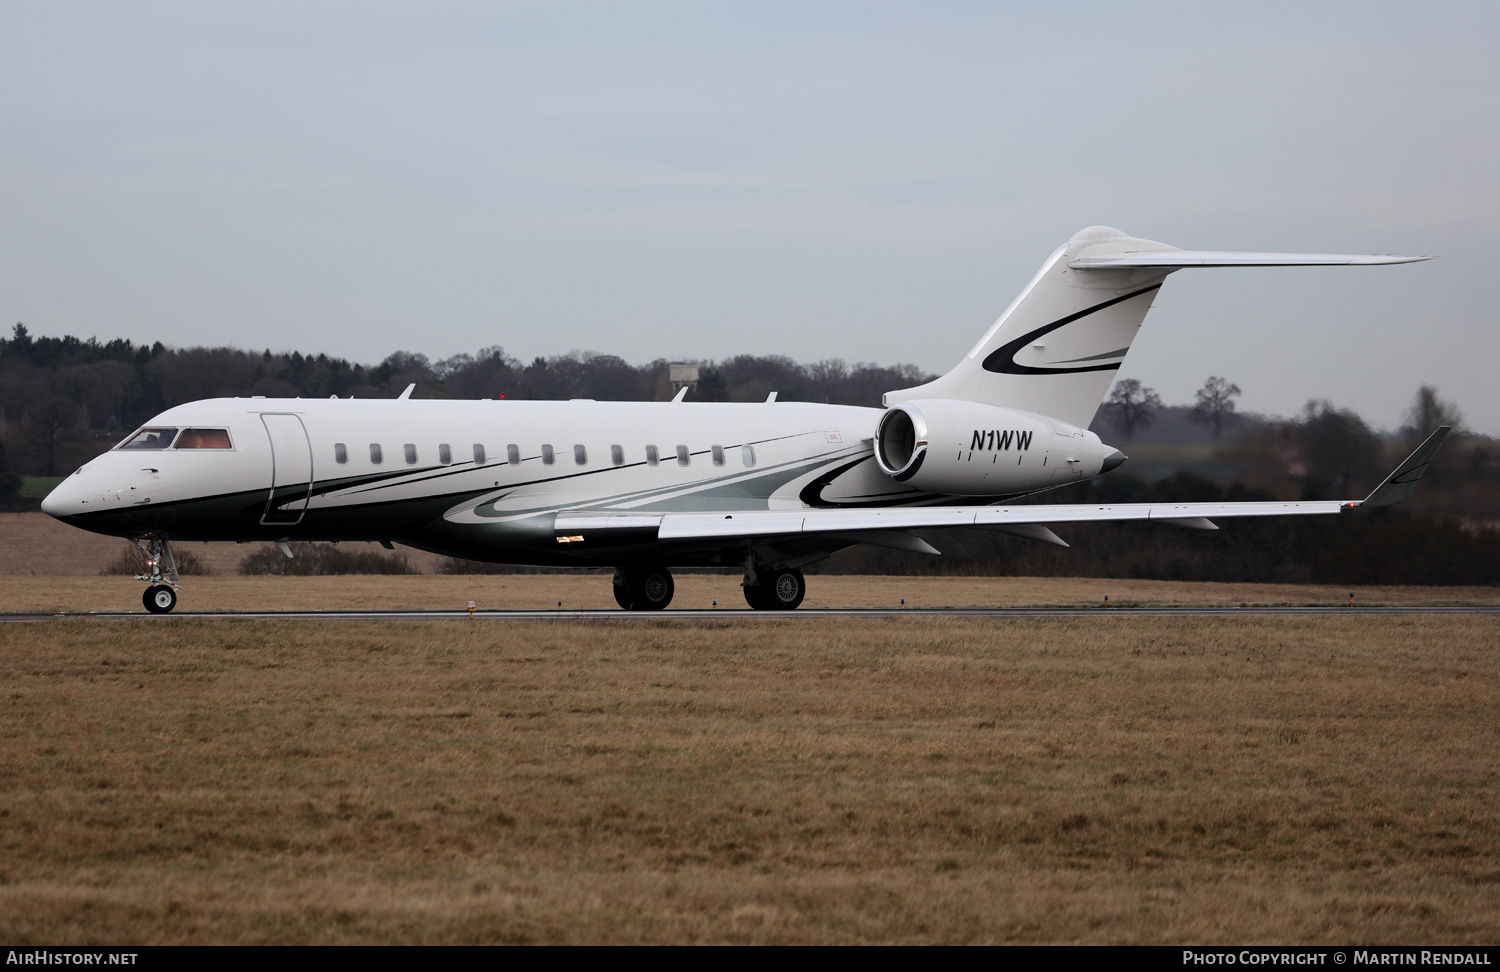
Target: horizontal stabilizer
[1398, 485]
[1184, 259]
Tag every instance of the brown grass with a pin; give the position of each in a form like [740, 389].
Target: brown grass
[592, 590]
[904, 780]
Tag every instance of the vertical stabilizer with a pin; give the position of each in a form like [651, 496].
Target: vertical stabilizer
[1057, 347]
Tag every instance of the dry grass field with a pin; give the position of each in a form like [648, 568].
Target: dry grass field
[592, 590]
[900, 780]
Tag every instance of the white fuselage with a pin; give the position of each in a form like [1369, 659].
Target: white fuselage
[484, 479]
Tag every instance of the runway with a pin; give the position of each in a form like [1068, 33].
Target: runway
[749, 616]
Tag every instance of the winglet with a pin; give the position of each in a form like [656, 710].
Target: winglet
[407, 394]
[1398, 486]
[681, 394]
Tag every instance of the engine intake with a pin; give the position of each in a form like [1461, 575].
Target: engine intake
[901, 443]
[971, 449]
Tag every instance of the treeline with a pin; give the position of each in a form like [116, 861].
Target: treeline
[64, 400]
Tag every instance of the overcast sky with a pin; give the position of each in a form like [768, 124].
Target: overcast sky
[867, 181]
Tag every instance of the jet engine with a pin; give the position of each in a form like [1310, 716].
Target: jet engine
[971, 449]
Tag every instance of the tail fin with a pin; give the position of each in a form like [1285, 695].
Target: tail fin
[1057, 347]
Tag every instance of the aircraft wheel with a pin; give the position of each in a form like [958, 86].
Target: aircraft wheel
[159, 599]
[654, 589]
[622, 591]
[785, 590]
[755, 596]
[778, 590]
[647, 589]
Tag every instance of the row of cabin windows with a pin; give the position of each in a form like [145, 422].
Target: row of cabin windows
[549, 455]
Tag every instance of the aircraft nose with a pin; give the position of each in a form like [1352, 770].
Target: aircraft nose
[68, 499]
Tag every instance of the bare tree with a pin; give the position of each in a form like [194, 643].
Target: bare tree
[53, 431]
[1215, 405]
[1427, 412]
[1338, 447]
[1131, 406]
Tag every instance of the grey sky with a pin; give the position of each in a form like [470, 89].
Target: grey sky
[867, 181]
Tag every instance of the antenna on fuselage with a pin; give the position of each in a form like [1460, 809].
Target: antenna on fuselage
[407, 394]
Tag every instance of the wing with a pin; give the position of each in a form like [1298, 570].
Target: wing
[888, 527]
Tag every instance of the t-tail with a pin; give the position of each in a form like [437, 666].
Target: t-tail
[1057, 347]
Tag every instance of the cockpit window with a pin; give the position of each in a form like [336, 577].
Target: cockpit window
[203, 439]
[150, 439]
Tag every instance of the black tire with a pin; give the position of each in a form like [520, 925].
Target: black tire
[622, 592]
[644, 589]
[755, 596]
[784, 589]
[159, 599]
[778, 590]
[653, 589]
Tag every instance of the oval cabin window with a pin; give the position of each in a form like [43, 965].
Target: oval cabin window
[340, 453]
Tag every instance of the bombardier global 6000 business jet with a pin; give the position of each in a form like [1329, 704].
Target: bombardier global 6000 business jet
[643, 487]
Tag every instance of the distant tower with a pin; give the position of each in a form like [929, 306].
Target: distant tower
[682, 375]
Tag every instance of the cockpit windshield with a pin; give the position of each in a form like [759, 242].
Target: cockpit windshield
[150, 439]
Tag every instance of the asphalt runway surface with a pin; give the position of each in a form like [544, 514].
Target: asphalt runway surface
[743, 614]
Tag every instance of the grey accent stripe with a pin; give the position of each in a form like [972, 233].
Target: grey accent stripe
[1117, 353]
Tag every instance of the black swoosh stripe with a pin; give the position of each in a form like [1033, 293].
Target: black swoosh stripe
[1002, 360]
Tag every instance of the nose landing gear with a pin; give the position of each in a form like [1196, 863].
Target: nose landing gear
[159, 599]
[161, 574]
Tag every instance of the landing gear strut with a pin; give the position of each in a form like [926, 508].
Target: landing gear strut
[161, 574]
[774, 588]
[643, 588]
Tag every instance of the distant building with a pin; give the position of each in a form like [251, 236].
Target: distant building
[681, 375]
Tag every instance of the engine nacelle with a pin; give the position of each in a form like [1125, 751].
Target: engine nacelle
[971, 449]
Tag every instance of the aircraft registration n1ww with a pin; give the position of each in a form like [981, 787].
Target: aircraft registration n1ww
[647, 486]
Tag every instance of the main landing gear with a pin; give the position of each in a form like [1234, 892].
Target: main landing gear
[643, 588]
[161, 574]
[767, 588]
[774, 588]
